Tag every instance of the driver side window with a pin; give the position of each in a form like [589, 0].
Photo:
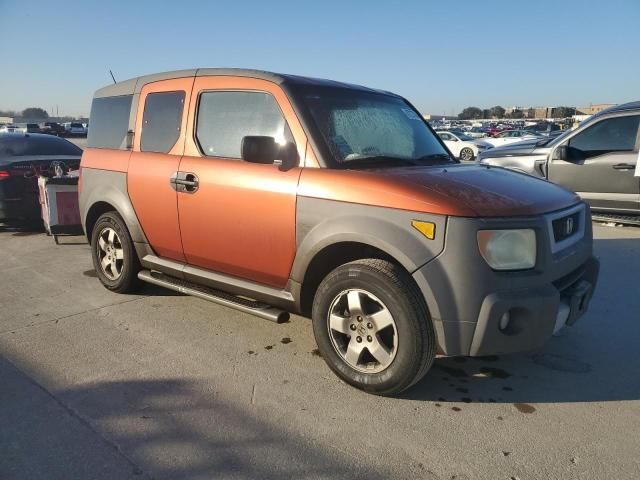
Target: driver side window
[611, 135]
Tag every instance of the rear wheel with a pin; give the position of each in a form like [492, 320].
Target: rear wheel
[114, 256]
[466, 154]
[372, 326]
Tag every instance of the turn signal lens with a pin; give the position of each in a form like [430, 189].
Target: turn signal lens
[427, 229]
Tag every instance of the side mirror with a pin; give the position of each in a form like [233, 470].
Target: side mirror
[561, 153]
[262, 149]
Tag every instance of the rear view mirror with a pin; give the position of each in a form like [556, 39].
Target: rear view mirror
[262, 149]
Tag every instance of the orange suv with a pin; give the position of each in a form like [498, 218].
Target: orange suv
[276, 193]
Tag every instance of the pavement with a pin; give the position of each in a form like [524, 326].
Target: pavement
[96, 385]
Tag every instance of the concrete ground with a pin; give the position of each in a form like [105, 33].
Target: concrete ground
[95, 385]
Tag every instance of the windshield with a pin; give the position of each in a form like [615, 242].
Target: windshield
[370, 130]
[462, 136]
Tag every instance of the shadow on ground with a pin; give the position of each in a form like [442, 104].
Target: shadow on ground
[151, 429]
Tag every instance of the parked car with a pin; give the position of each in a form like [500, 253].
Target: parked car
[597, 160]
[32, 128]
[13, 129]
[510, 136]
[463, 147]
[268, 193]
[543, 128]
[52, 128]
[476, 132]
[22, 158]
[73, 129]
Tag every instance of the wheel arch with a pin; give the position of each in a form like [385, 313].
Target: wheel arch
[104, 191]
[331, 257]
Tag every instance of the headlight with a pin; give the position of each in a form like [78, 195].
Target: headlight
[508, 249]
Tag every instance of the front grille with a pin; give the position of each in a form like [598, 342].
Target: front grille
[565, 227]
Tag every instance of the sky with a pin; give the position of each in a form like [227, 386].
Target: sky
[442, 56]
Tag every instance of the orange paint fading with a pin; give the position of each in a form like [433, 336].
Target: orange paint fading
[105, 159]
[153, 198]
[242, 219]
[155, 202]
[377, 189]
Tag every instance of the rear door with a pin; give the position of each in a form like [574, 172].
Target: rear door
[157, 150]
[601, 164]
[240, 219]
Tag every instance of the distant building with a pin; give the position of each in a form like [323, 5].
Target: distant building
[6, 119]
[428, 116]
[593, 108]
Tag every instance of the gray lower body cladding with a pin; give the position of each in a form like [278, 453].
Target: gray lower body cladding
[467, 298]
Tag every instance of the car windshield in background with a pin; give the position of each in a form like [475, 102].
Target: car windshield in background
[464, 137]
[25, 145]
[371, 130]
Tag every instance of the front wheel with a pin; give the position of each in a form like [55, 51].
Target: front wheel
[466, 154]
[372, 326]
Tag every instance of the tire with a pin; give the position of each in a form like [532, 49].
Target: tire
[466, 154]
[408, 343]
[121, 273]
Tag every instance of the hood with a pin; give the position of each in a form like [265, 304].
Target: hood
[460, 190]
[491, 191]
[525, 147]
[482, 143]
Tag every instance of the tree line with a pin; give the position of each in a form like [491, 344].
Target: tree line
[31, 112]
[475, 113]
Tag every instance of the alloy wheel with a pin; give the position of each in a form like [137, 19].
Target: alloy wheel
[110, 253]
[362, 331]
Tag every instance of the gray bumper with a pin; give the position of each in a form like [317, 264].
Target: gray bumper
[467, 299]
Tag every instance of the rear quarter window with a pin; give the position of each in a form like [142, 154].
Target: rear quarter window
[109, 122]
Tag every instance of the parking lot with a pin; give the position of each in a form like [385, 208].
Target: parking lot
[100, 385]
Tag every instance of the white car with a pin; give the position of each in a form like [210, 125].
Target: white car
[13, 129]
[73, 128]
[476, 132]
[463, 147]
[511, 136]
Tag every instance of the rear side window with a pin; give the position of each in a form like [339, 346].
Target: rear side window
[611, 135]
[109, 122]
[225, 117]
[161, 121]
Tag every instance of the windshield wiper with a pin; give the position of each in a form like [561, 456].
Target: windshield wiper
[435, 156]
[378, 161]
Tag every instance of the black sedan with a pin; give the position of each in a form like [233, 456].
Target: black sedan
[22, 158]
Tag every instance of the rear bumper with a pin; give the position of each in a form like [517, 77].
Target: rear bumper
[467, 300]
[18, 208]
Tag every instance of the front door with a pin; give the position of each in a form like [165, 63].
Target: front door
[240, 219]
[601, 164]
[157, 150]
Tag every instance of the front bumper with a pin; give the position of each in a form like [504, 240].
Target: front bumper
[467, 300]
[17, 205]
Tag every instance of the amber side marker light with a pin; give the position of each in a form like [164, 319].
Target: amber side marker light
[427, 229]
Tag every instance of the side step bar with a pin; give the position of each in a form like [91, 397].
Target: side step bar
[239, 303]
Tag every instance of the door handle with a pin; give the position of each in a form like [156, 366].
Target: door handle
[623, 166]
[185, 182]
